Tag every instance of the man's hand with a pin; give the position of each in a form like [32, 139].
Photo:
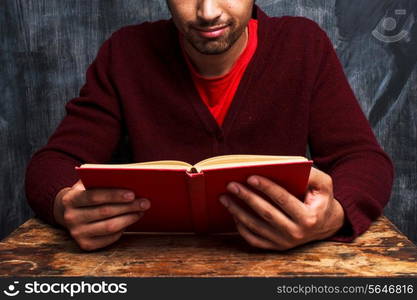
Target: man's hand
[97, 218]
[288, 222]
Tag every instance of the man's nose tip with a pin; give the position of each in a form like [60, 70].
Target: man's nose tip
[209, 10]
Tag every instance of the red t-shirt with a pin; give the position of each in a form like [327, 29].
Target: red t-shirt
[218, 92]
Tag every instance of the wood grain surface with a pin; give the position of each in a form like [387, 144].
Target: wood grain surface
[37, 249]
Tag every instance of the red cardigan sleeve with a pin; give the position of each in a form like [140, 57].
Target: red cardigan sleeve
[89, 132]
[343, 144]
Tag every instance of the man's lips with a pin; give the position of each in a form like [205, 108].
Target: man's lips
[211, 32]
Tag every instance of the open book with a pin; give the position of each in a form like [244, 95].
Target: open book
[184, 197]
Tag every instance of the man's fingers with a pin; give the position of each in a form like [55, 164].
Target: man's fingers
[253, 223]
[78, 185]
[98, 242]
[255, 240]
[320, 189]
[95, 213]
[320, 181]
[262, 207]
[93, 197]
[292, 206]
[105, 227]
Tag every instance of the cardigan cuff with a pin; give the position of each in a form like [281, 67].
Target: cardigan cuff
[355, 222]
[42, 186]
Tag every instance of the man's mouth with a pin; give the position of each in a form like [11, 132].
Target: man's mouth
[211, 32]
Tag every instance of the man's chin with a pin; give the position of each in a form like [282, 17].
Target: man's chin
[213, 51]
[215, 48]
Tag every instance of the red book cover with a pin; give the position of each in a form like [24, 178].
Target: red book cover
[185, 201]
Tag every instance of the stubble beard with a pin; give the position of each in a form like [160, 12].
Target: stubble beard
[217, 45]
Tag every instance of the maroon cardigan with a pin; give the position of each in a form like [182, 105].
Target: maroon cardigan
[294, 93]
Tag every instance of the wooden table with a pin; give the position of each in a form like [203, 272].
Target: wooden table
[37, 249]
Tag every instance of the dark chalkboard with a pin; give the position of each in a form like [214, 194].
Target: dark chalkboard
[46, 46]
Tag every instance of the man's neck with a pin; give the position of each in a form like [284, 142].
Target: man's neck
[220, 64]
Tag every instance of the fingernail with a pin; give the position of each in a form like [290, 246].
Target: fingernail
[232, 187]
[145, 204]
[224, 201]
[129, 196]
[253, 181]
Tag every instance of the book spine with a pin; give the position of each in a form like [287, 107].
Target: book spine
[197, 196]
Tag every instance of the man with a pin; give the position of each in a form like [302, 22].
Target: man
[221, 77]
